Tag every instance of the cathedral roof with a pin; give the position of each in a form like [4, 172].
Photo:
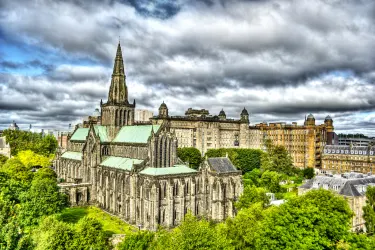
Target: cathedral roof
[221, 165]
[80, 134]
[177, 169]
[101, 131]
[72, 155]
[120, 162]
[135, 134]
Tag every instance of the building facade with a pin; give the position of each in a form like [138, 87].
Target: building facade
[132, 170]
[341, 158]
[352, 186]
[356, 141]
[198, 129]
[143, 115]
[4, 147]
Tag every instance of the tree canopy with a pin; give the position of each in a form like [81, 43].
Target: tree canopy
[191, 155]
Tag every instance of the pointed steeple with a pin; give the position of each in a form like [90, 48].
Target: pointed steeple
[118, 92]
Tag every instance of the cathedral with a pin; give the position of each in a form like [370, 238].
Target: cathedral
[131, 169]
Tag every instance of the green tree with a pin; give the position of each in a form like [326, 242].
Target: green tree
[308, 173]
[3, 159]
[277, 159]
[53, 234]
[251, 195]
[15, 169]
[138, 241]
[270, 180]
[319, 219]
[252, 177]
[191, 155]
[90, 235]
[369, 210]
[31, 159]
[42, 199]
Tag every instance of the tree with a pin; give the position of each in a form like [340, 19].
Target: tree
[3, 159]
[42, 199]
[308, 173]
[15, 169]
[319, 219]
[90, 235]
[191, 155]
[54, 234]
[270, 180]
[252, 177]
[251, 195]
[138, 241]
[277, 159]
[31, 159]
[369, 210]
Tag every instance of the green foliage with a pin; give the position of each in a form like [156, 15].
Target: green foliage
[252, 177]
[3, 159]
[138, 241]
[42, 199]
[277, 159]
[369, 210]
[316, 220]
[308, 173]
[24, 140]
[31, 159]
[90, 235]
[244, 159]
[15, 169]
[191, 155]
[251, 195]
[270, 180]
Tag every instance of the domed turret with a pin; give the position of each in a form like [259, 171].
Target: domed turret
[14, 126]
[244, 115]
[329, 123]
[310, 120]
[222, 115]
[96, 112]
[163, 110]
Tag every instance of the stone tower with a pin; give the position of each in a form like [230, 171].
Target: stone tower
[117, 112]
[163, 110]
[329, 123]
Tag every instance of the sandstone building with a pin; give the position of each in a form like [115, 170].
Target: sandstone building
[198, 129]
[341, 158]
[132, 170]
[352, 186]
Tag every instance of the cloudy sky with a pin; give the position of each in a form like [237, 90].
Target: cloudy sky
[280, 59]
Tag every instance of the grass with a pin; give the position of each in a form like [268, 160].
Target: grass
[111, 224]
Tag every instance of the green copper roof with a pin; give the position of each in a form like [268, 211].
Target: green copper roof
[135, 134]
[72, 155]
[120, 162]
[101, 131]
[80, 134]
[177, 169]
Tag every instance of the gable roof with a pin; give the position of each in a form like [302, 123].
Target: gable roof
[222, 165]
[120, 162]
[101, 131]
[135, 134]
[176, 169]
[72, 155]
[80, 134]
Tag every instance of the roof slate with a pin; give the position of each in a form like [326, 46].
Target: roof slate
[120, 162]
[135, 134]
[177, 169]
[80, 134]
[72, 155]
[221, 165]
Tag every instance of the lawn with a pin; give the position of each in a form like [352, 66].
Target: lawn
[111, 224]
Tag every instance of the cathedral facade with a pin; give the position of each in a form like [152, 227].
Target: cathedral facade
[132, 170]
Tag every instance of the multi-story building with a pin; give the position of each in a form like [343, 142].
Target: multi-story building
[356, 141]
[132, 170]
[341, 158]
[198, 129]
[143, 115]
[352, 186]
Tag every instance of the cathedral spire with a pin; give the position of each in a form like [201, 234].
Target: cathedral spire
[118, 92]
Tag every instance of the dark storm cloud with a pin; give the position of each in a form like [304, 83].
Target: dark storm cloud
[281, 59]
